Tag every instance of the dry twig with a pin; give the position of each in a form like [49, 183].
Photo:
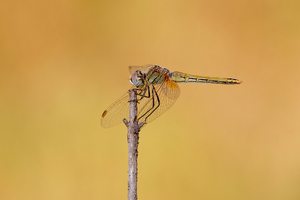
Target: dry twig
[133, 127]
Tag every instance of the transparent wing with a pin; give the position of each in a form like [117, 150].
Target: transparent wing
[116, 112]
[142, 68]
[167, 93]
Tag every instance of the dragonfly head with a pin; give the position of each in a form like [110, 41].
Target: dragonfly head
[137, 78]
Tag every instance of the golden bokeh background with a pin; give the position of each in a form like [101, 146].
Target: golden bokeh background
[63, 62]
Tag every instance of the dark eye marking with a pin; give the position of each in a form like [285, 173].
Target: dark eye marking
[139, 73]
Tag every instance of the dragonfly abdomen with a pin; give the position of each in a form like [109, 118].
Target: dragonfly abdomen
[181, 77]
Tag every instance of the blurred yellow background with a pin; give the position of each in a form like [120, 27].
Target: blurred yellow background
[63, 62]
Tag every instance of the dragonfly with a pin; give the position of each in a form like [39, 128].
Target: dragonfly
[157, 90]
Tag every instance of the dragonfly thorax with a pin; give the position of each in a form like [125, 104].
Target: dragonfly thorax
[153, 75]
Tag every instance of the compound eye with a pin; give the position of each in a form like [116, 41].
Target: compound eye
[137, 78]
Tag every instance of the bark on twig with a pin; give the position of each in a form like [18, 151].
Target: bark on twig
[133, 127]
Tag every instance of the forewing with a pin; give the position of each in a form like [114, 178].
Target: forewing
[116, 112]
[142, 68]
[168, 92]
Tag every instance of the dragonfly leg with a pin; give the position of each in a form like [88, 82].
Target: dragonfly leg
[153, 108]
[142, 93]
